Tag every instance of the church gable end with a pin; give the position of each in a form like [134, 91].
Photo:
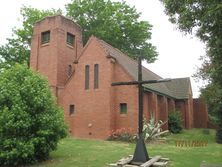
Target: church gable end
[89, 90]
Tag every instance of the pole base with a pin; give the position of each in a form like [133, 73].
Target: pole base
[140, 154]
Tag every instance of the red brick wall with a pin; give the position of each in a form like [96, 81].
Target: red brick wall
[162, 110]
[180, 106]
[92, 107]
[200, 113]
[184, 107]
[171, 105]
[187, 114]
[152, 104]
[124, 94]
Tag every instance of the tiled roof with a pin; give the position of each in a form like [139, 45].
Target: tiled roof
[177, 88]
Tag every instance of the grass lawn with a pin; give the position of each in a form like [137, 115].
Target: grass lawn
[92, 153]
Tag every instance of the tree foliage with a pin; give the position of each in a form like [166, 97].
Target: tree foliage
[204, 19]
[115, 22]
[17, 48]
[13, 52]
[31, 124]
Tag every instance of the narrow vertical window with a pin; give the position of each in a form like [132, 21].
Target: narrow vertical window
[45, 37]
[69, 70]
[123, 108]
[71, 109]
[87, 77]
[70, 39]
[96, 76]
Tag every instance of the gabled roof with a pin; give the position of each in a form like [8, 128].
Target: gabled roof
[177, 88]
[180, 87]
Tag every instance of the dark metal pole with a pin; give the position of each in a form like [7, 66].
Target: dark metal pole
[140, 98]
[142, 82]
[140, 155]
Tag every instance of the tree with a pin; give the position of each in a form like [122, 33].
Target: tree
[211, 94]
[17, 49]
[13, 52]
[204, 19]
[31, 124]
[115, 22]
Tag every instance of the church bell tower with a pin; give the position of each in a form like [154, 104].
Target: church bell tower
[56, 45]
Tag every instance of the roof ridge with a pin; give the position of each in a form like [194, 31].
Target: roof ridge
[127, 56]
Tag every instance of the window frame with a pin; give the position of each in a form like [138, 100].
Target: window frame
[87, 77]
[69, 71]
[68, 42]
[123, 108]
[71, 109]
[96, 76]
[45, 37]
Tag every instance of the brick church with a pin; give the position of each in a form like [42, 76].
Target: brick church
[81, 76]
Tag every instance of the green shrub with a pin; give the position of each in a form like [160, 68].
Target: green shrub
[175, 122]
[214, 119]
[206, 131]
[219, 135]
[219, 128]
[31, 124]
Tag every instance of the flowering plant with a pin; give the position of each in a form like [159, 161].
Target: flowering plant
[122, 134]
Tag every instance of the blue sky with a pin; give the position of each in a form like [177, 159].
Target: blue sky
[178, 54]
